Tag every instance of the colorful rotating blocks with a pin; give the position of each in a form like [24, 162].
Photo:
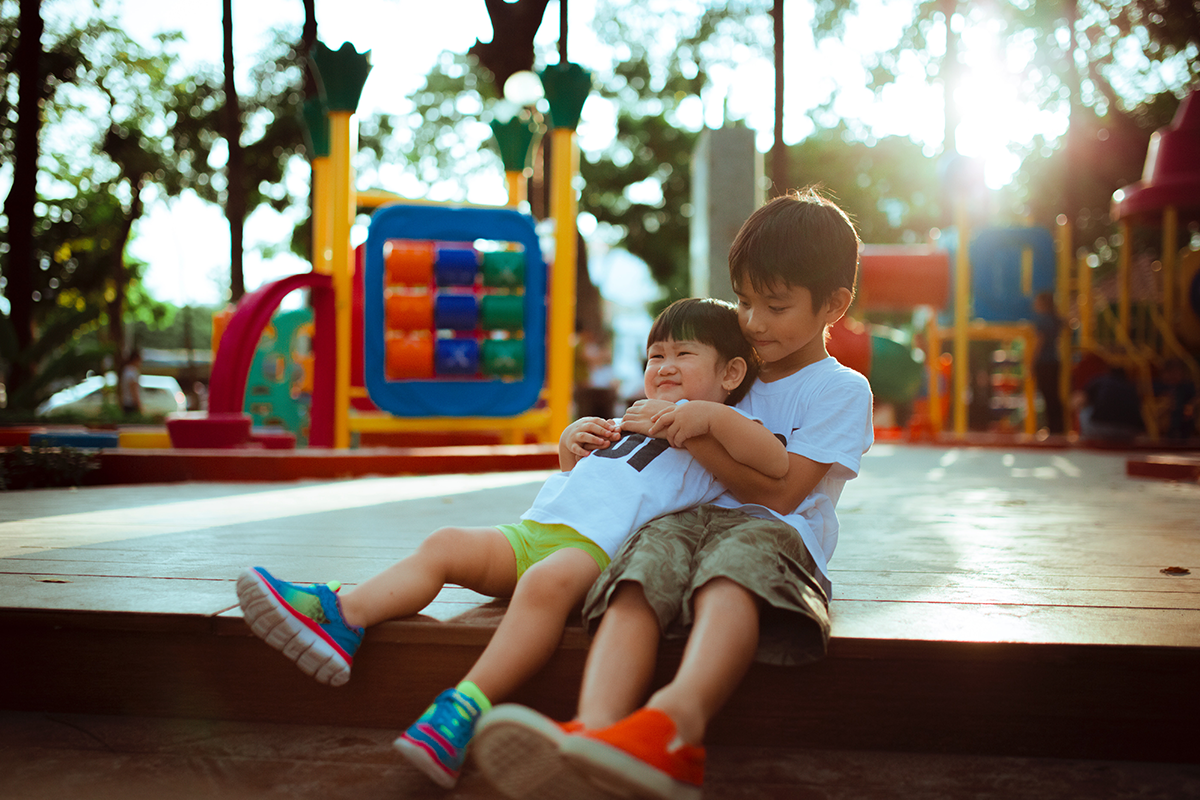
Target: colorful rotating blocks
[450, 311]
[454, 311]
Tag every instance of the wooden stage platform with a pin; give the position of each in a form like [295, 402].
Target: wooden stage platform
[1016, 602]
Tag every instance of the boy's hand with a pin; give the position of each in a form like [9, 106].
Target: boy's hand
[589, 433]
[640, 416]
[677, 424]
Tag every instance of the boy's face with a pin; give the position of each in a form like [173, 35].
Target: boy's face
[782, 325]
[687, 370]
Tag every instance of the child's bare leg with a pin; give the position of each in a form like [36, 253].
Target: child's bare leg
[533, 625]
[481, 559]
[719, 650]
[620, 662]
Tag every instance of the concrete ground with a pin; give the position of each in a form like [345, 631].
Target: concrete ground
[59, 756]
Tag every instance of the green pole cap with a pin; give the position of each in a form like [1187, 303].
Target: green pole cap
[514, 138]
[316, 127]
[567, 86]
[341, 75]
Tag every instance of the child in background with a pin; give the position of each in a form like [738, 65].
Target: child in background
[744, 578]
[611, 484]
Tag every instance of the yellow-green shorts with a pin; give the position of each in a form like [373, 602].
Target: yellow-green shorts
[533, 541]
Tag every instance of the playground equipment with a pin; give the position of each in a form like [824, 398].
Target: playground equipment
[421, 277]
[1168, 193]
[454, 299]
[989, 286]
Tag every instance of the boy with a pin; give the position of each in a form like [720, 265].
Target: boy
[742, 578]
[611, 484]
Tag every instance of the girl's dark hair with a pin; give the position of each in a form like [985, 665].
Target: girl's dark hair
[800, 239]
[712, 322]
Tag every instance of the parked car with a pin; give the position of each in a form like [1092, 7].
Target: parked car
[161, 395]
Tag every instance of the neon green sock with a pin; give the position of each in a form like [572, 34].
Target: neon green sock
[472, 691]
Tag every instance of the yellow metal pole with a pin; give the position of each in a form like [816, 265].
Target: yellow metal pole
[1170, 249]
[1030, 383]
[1062, 297]
[564, 166]
[962, 316]
[932, 361]
[1124, 264]
[516, 187]
[343, 142]
[1087, 319]
[322, 189]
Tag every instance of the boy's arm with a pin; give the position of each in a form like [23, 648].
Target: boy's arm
[746, 440]
[782, 495]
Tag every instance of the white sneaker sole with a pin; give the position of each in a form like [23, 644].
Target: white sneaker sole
[519, 751]
[422, 760]
[623, 774]
[268, 616]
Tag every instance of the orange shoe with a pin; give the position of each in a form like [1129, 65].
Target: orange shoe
[639, 755]
[519, 752]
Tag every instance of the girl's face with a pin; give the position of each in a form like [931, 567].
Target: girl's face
[689, 370]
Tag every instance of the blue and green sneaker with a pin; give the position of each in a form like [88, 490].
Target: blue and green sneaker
[303, 622]
[437, 742]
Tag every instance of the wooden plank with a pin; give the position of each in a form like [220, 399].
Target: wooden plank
[1016, 623]
[1014, 699]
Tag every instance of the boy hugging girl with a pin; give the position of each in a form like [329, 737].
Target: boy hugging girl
[705, 513]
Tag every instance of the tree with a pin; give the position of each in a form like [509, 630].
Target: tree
[235, 170]
[23, 144]
[1111, 66]
[514, 24]
[65, 267]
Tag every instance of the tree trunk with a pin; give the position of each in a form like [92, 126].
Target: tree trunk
[235, 170]
[308, 39]
[779, 157]
[22, 196]
[950, 77]
[1071, 204]
[116, 308]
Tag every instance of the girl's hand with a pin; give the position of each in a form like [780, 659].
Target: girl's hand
[587, 434]
[679, 423]
[640, 416]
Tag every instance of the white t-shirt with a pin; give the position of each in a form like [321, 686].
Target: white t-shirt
[613, 492]
[823, 412]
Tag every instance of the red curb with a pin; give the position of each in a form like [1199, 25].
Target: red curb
[1170, 468]
[130, 465]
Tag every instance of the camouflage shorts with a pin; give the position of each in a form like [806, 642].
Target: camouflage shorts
[673, 556]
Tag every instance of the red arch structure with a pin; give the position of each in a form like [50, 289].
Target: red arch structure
[231, 366]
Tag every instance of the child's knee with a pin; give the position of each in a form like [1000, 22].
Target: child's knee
[445, 541]
[564, 576]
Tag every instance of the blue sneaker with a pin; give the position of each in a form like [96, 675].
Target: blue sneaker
[437, 742]
[303, 622]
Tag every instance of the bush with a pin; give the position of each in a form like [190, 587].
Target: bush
[39, 467]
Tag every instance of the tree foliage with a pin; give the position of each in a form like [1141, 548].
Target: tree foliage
[123, 125]
[102, 101]
[1116, 68]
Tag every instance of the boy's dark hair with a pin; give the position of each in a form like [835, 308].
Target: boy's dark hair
[800, 239]
[714, 323]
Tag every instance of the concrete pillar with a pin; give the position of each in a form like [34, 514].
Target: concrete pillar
[727, 180]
